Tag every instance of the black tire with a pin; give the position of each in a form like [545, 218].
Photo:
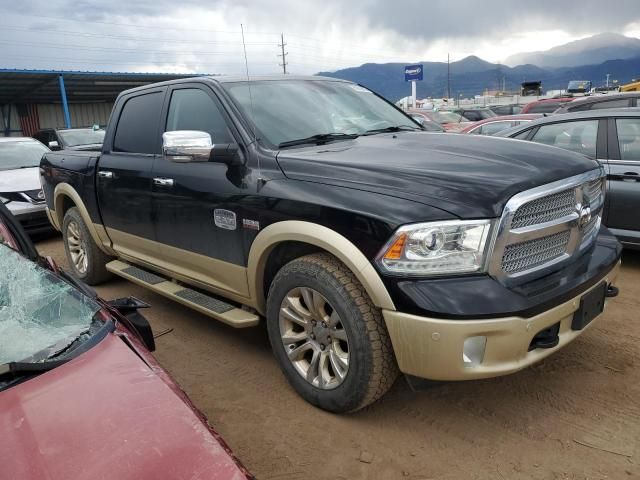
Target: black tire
[95, 272]
[372, 368]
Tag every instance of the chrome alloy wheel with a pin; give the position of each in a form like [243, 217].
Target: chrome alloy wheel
[314, 338]
[77, 249]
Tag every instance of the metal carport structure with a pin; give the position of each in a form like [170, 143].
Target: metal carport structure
[24, 92]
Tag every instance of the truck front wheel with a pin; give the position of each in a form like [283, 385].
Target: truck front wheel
[327, 335]
[86, 260]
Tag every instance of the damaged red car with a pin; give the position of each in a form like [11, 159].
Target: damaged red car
[80, 394]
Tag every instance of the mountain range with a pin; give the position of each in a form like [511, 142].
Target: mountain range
[591, 58]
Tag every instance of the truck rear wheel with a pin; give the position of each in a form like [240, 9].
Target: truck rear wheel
[86, 260]
[327, 335]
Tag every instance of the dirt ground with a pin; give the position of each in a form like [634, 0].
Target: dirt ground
[576, 415]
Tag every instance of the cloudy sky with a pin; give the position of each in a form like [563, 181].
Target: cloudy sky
[204, 36]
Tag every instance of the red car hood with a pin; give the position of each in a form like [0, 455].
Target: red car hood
[106, 415]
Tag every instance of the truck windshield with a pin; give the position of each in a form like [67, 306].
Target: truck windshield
[40, 314]
[21, 154]
[287, 110]
[81, 136]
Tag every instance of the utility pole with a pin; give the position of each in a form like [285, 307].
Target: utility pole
[283, 54]
[448, 77]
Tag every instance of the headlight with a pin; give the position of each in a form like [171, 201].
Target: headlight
[437, 248]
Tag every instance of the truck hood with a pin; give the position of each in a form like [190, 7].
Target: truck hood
[106, 414]
[21, 180]
[467, 175]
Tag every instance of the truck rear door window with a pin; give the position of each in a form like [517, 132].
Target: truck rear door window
[137, 130]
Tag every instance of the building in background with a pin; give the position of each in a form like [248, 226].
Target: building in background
[31, 100]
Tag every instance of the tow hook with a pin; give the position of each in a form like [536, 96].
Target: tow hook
[612, 291]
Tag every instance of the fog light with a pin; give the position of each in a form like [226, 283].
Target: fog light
[473, 351]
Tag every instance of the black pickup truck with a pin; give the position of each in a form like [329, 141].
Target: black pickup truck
[368, 245]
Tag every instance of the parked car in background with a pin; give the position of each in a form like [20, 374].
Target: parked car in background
[20, 188]
[611, 136]
[601, 102]
[513, 109]
[365, 243]
[79, 386]
[579, 86]
[428, 124]
[451, 122]
[474, 114]
[546, 105]
[494, 125]
[71, 138]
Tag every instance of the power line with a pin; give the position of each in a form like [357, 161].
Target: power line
[283, 54]
[126, 37]
[118, 50]
[99, 61]
[135, 25]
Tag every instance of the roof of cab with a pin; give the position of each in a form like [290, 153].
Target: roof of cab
[233, 79]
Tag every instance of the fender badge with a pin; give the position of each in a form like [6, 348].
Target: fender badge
[224, 219]
[250, 224]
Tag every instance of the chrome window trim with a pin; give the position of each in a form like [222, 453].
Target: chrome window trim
[504, 235]
[623, 162]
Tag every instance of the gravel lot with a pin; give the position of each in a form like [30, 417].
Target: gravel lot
[574, 416]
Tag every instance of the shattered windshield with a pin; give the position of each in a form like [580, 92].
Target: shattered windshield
[40, 314]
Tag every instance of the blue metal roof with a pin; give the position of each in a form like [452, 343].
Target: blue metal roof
[42, 86]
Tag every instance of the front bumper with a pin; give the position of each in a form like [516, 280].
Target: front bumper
[433, 348]
[32, 216]
[436, 317]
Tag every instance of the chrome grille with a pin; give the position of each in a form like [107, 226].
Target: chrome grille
[588, 229]
[593, 190]
[545, 209]
[545, 227]
[532, 253]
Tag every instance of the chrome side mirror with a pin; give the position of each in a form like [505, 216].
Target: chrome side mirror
[186, 146]
[54, 145]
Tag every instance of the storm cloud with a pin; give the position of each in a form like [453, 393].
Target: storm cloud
[204, 36]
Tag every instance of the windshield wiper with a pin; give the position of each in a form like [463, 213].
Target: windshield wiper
[394, 128]
[318, 139]
[20, 368]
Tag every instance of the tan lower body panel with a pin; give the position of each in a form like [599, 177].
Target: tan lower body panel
[235, 317]
[433, 348]
[222, 277]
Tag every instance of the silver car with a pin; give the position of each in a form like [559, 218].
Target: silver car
[20, 188]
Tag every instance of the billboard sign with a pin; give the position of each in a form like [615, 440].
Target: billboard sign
[413, 72]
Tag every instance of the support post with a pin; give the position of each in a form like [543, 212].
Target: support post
[413, 94]
[65, 105]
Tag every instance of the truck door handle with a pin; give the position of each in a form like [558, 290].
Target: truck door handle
[627, 176]
[105, 174]
[163, 182]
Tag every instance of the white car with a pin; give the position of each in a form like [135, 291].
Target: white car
[20, 188]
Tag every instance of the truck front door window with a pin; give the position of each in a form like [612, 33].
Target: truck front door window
[580, 137]
[629, 138]
[193, 109]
